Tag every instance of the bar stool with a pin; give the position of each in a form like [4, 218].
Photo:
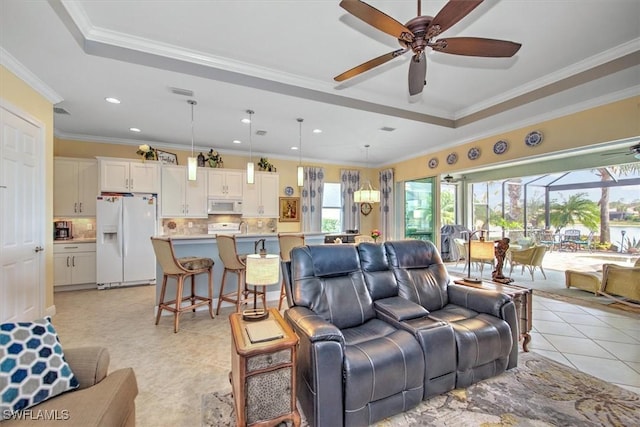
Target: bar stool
[286, 243]
[179, 269]
[234, 263]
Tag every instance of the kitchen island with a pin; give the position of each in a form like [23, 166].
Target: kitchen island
[204, 245]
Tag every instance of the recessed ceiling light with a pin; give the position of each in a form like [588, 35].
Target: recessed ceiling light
[245, 121]
[294, 148]
[135, 130]
[237, 141]
[317, 131]
[112, 100]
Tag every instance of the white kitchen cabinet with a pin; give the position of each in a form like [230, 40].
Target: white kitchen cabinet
[74, 263]
[225, 184]
[260, 200]
[75, 187]
[181, 198]
[128, 176]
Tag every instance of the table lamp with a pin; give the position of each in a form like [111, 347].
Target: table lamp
[262, 270]
[478, 250]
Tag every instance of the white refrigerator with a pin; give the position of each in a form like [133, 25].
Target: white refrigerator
[124, 226]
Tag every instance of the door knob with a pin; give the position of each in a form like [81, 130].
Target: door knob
[39, 249]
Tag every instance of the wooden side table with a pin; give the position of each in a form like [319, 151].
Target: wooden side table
[263, 375]
[522, 298]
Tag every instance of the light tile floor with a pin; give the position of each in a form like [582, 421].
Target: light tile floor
[601, 343]
[175, 370]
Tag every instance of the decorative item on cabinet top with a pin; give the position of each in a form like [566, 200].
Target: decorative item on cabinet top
[265, 165]
[166, 157]
[147, 152]
[214, 159]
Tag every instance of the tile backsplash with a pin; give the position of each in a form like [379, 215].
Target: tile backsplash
[82, 228]
[193, 226]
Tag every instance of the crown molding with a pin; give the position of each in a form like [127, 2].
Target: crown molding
[16, 67]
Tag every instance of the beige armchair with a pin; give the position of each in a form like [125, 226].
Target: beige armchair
[530, 258]
[616, 282]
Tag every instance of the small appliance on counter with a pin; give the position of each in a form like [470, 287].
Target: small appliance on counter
[62, 230]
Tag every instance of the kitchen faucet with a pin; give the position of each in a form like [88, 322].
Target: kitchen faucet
[246, 228]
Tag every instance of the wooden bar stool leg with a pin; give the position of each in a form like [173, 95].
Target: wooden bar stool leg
[193, 291]
[221, 293]
[161, 302]
[179, 290]
[210, 278]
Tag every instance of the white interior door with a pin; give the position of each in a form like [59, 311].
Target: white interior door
[21, 218]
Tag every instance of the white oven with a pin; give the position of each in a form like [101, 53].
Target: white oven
[215, 206]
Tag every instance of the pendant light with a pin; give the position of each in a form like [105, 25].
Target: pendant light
[192, 162]
[300, 168]
[366, 194]
[251, 175]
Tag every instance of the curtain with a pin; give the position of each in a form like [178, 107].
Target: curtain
[387, 205]
[312, 191]
[349, 183]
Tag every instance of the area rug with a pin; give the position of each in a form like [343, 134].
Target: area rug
[539, 392]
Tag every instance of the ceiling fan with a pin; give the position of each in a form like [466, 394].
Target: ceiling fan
[633, 150]
[418, 34]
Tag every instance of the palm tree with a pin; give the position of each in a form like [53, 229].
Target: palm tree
[605, 175]
[576, 209]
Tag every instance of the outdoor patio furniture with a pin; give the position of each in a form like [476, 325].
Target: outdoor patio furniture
[615, 281]
[572, 239]
[531, 258]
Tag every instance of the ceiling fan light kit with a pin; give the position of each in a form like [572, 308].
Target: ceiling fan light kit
[418, 34]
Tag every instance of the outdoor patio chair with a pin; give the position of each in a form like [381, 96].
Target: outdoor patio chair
[530, 258]
[571, 239]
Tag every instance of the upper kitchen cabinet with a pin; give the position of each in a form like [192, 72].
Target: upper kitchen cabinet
[225, 184]
[75, 186]
[261, 199]
[179, 196]
[128, 176]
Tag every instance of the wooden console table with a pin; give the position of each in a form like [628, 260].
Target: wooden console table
[522, 298]
[263, 374]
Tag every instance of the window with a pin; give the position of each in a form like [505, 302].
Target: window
[418, 208]
[331, 208]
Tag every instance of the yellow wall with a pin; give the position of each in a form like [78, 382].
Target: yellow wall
[611, 122]
[24, 99]
[287, 169]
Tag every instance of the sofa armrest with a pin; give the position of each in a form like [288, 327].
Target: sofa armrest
[480, 300]
[88, 364]
[399, 309]
[312, 327]
[319, 366]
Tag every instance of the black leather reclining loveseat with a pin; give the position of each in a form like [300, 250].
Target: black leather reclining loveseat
[383, 327]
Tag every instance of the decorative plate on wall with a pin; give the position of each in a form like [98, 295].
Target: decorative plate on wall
[500, 147]
[452, 158]
[288, 191]
[473, 153]
[433, 163]
[365, 208]
[533, 138]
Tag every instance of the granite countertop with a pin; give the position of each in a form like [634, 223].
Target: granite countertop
[75, 240]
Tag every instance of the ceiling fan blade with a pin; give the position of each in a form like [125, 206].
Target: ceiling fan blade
[369, 65]
[450, 14]
[377, 19]
[476, 46]
[417, 74]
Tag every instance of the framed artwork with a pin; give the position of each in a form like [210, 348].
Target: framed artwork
[166, 157]
[289, 209]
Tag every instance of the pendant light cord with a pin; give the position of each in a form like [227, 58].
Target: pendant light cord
[250, 112]
[300, 120]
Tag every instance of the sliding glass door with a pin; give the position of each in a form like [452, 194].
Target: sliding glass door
[419, 208]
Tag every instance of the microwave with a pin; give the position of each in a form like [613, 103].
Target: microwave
[215, 206]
